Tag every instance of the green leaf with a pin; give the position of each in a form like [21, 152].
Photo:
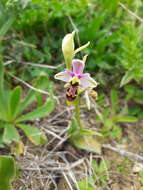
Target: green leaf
[127, 78]
[39, 99]
[7, 172]
[4, 99]
[116, 132]
[47, 108]
[10, 134]
[90, 132]
[104, 166]
[36, 136]
[125, 119]
[114, 99]
[1, 76]
[85, 185]
[87, 142]
[108, 123]
[83, 140]
[1, 139]
[3, 110]
[7, 25]
[14, 102]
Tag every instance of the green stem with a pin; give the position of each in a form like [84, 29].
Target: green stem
[77, 113]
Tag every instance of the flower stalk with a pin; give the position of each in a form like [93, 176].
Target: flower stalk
[77, 113]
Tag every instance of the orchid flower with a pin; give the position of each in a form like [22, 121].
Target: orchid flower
[84, 80]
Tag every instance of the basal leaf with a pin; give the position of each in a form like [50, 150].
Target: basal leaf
[10, 134]
[87, 142]
[7, 172]
[34, 134]
[39, 112]
[14, 102]
[83, 139]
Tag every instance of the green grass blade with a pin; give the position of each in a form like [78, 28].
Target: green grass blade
[1, 76]
[7, 25]
[10, 134]
[128, 119]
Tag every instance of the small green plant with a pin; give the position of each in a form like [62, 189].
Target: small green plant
[7, 172]
[9, 10]
[123, 166]
[100, 176]
[135, 93]
[101, 171]
[85, 185]
[131, 52]
[112, 115]
[78, 84]
[13, 115]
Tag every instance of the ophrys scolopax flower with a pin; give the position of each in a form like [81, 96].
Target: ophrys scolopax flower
[76, 78]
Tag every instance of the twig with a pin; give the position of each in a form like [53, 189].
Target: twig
[59, 114]
[28, 85]
[67, 180]
[63, 167]
[130, 12]
[123, 152]
[60, 143]
[52, 133]
[34, 64]
[75, 28]
[45, 149]
[139, 165]
[8, 62]
[42, 65]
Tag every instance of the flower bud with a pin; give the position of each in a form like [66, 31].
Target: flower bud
[68, 49]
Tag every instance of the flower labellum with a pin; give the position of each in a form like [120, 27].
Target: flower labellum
[72, 91]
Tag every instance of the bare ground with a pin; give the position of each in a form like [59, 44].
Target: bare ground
[58, 165]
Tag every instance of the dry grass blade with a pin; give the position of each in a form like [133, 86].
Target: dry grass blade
[34, 64]
[28, 85]
[123, 152]
[130, 12]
